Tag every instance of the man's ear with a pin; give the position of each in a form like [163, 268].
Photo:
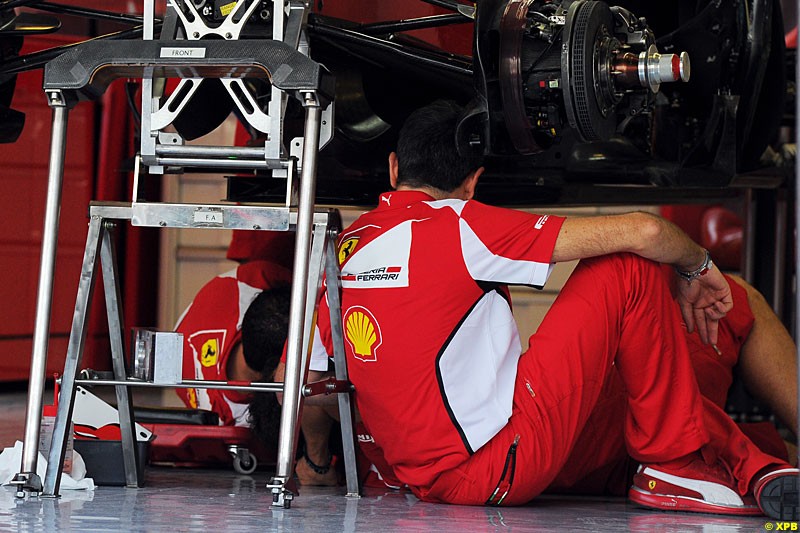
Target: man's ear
[393, 170]
[471, 183]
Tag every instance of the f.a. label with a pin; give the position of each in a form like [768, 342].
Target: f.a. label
[208, 217]
[171, 51]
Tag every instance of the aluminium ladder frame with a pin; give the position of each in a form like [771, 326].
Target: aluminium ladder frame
[100, 247]
[64, 84]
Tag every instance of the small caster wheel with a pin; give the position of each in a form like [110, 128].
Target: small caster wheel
[244, 462]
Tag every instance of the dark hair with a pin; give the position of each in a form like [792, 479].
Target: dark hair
[264, 417]
[427, 152]
[264, 330]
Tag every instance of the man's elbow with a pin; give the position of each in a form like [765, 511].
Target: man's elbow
[648, 231]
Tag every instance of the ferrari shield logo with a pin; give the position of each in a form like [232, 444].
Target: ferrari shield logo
[206, 346]
[209, 354]
[347, 247]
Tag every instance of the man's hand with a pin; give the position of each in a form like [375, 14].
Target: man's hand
[704, 301]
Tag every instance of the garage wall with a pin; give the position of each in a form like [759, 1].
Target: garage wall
[192, 257]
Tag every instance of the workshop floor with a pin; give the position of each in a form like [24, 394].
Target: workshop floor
[219, 500]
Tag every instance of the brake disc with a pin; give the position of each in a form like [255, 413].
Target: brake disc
[588, 38]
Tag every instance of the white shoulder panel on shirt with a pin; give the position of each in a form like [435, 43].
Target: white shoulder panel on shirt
[247, 294]
[381, 263]
[485, 265]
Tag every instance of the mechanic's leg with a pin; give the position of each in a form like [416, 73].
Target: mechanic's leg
[315, 467]
[713, 365]
[613, 310]
[627, 318]
[600, 466]
[768, 361]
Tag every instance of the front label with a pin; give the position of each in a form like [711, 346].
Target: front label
[170, 51]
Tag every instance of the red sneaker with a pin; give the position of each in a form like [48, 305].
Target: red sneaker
[776, 494]
[695, 487]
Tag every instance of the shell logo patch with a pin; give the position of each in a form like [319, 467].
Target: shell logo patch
[347, 247]
[652, 484]
[363, 333]
[209, 353]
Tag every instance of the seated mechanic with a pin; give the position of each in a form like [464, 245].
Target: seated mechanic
[461, 415]
[750, 336]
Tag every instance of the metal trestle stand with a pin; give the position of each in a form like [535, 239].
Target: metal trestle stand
[289, 71]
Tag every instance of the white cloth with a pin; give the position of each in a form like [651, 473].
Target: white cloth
[11, 459]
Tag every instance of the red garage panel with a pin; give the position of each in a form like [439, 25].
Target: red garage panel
[23, 190]
[97, 167]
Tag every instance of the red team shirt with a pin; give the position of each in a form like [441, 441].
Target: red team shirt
[211, 328]
[432, 347]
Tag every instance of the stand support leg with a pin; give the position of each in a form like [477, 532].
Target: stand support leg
[337, 332]
[282, 487]
[77, 340]
[27, 479]
[287, 440]
[115, 321]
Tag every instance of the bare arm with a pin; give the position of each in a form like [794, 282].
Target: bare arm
[768, 360]
[703, 302]
[640, 233]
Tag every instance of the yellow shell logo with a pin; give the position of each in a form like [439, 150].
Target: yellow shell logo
[651, 484]
[209, 353]
[363, 333]
[347, 247]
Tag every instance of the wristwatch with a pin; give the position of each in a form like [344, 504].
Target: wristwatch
[699, 271]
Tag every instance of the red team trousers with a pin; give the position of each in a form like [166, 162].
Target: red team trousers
[614, 310]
